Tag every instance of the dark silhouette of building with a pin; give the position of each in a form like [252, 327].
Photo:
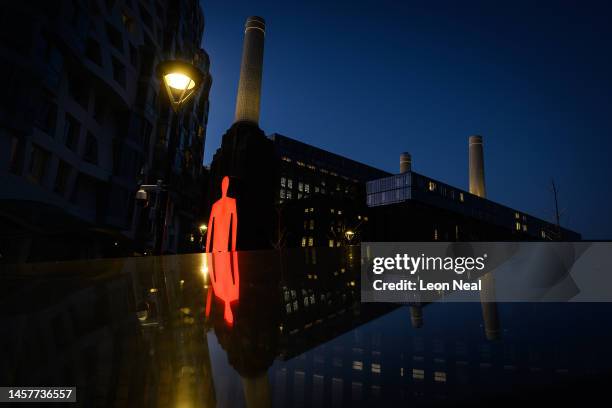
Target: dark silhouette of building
[306, 171]
[320, 196]
[328, 200]
[412, 207]
[246, 155]
[83, 122]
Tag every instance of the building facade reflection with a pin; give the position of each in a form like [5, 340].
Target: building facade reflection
[300, 336]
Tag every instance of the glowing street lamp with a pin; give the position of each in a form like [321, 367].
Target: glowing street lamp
[349, 235]
[181, 79]
[203, 228]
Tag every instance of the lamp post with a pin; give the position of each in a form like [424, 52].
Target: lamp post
[182, 81]
[349, 234]
[203, 229]
[143, 195]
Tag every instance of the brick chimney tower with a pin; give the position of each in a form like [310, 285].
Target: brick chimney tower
[249, 87]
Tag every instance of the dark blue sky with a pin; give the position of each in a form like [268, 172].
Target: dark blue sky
[371, 79]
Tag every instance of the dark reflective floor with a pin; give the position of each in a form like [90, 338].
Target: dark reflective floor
[262, 329]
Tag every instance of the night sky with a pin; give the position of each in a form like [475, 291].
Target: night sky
[371, 79]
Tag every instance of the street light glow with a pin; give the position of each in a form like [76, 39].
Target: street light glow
[181, 79]
[177, 80]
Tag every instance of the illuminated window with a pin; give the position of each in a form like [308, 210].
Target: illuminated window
[440, 376]
[331, 243]
[517, 226]
[435, 234]
[461, 197]
[307, 188]
[524, 227]
[516, 215]
[357, 365]
[289, 195]
[339, 212]
[282, 193]
[316, 189]
[311, 209]
[312, 224]
[431, 186]
[418, 374]
[283, 181]
[303, 241]
[310, 241]
[299, 195]
[365, 218]
[543, 234]
[332, 210]
[285, 158]
[300, 186]
[289, 183]
[376, 368]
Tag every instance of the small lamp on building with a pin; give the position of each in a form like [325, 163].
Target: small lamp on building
[181, 80]
[142, 195]
[349, 234]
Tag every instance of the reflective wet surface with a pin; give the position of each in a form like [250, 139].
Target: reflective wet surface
[272, 328]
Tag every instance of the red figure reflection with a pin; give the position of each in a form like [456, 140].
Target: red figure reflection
[225, 274]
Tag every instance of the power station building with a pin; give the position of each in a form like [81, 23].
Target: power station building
[362, 203]
[292, 194]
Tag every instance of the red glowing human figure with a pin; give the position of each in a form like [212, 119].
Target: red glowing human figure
[223, 220]
[223, 225]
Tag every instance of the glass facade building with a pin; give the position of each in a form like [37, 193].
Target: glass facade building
[389, 190]
[418, 191]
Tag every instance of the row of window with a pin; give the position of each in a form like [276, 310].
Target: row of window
[313, 168]
[304, 189]
[307, 241]
[520, 227]
[38, 164]
[445, 191]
